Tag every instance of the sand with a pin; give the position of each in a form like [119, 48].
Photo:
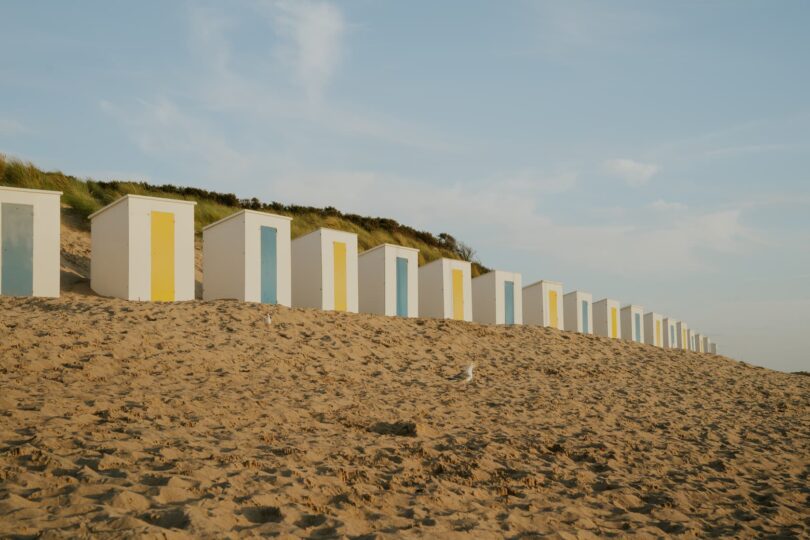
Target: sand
[200, 419]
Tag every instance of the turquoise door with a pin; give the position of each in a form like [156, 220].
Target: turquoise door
[269, 266]
[585, 318]
[17, 242]
[402, 287]
[638, 327]
[509, 302]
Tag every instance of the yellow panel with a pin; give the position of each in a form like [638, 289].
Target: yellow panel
[162, 255]
[658, 333]
[614, 323]
[339, 256]
[552, 309]
[458, 295]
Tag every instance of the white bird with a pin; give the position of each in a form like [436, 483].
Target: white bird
[465, 375]
[269, 320]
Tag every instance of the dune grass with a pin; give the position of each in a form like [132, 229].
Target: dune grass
[85, 196]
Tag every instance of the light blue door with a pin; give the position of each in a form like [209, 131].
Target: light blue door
[402, 287]
[17, 242]
[671, 336]
[509, 302]
[638, 327]
[269, 266]
[585, 318]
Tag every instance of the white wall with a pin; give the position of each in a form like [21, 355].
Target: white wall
[572, 302]
[488, 297]
[46, 240]
[109, 256]
[224, 257]
[253, 261]
[651, 323]
[536, 303]
[627, 320]
[602, 319]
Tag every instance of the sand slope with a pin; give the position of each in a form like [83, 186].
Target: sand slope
[199, 419]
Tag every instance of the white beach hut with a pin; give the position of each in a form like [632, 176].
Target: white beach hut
[143, 249]
[324, 264]
[707, 345]
[606, 318]
[246, 256]
[633, 323]
[691, 341]
[29, 242]
[497, 298]
[682, 335]
[713, 348]
[699, 342]
[445, 290]
[389, 280]
[654, 329]
[670, 333]
[543, 304]
[578, 308]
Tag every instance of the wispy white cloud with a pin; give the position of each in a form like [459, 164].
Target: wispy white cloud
[634, 173]
[667, 206]
[12, 127]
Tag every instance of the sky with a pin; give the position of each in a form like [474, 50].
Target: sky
[657, 153]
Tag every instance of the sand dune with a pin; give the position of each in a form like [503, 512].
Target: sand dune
[199, 419]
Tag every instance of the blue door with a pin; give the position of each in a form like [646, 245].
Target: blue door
[638, 327]
[509, 302]
[671, 336]
[585, 318]
[269, 266]
[17, 272]
[402, 287]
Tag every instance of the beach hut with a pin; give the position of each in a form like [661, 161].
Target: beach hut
[682, 334]
[389, 280]
[497, 298]
[691, 341]
[713, 348]
[654, 329]
[246, 256]
[707, 345]
[670, 333]
[606, 321]
[324, 264]
[543, 304]
[578, 308]
[633, 323]
[29, 242]
[445, 290]
[699, 343]
[143, 249]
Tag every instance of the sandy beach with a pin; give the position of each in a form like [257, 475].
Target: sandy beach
[201, 419]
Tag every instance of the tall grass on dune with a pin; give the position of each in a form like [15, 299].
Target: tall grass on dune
[85, 196]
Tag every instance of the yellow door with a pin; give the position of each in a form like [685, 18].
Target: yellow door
[162, 254]
[458, 295]
[614, 323]
[339, 256]
[552, 309]
[658, 333]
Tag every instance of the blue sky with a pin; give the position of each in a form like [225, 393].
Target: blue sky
[653, 152]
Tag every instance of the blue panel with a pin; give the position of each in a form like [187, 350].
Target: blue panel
[17, 272]
[509, 302]
[638, 327]
[269, 269]
[402, 287]
[585, 318]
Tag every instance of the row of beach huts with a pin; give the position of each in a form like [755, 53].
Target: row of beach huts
[143, 249]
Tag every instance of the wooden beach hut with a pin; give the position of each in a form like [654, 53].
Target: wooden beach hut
[633, 323]
[683, 336]
[247, 256]
[143, 249]
[324, 266]
[497, 298]
[543, 304]
[29, 242]
[670, 333]
[445, 290]
[654, 329]
[607, 318]
[389, 280]
[578, 307]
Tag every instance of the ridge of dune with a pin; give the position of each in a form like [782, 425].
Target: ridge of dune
[198, 419]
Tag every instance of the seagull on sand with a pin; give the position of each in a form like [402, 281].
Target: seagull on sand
[269, 320]
[465, 375]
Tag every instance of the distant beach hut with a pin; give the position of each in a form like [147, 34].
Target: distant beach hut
[578, 308]
[670, 333]
[654, 329]
[246, 256]
[543, 304]
[445, 290]
[713, 348]
[683, 336]
[324, 265]
[607, 318]
[497, 298]
[143, 249]
[389, 280]
[706, 345]
[691, 341]
[29, 242]
[699, 343]
[633, 323]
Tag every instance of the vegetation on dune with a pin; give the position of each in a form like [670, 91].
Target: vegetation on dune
[87, 196]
